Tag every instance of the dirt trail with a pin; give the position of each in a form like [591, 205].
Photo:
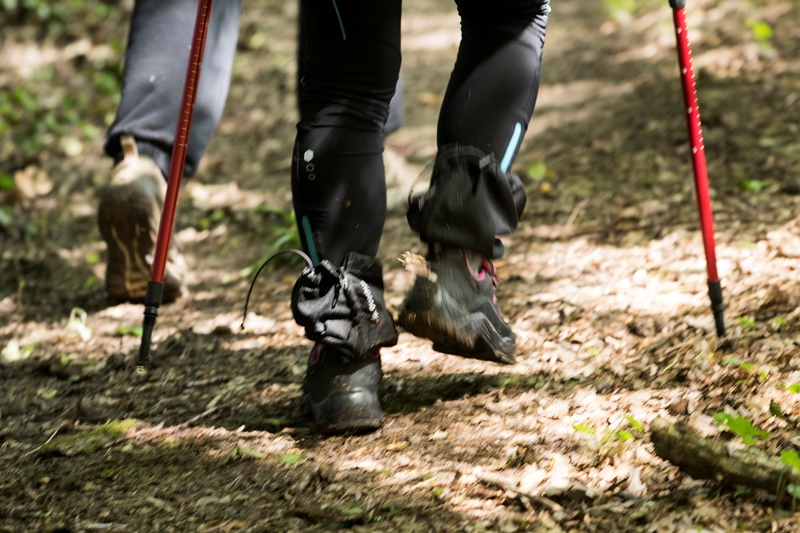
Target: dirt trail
[604, 283]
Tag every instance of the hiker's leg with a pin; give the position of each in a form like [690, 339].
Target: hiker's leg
[473, 195]
[486, 109]
[349, 71]
[156, 59]
[347, 77]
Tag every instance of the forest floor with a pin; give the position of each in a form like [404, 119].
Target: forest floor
[604, 283]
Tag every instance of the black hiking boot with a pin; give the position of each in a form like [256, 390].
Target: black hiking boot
[342, 392]
[128, 216]
[453, 304]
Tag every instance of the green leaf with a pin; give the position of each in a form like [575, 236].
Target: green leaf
[133, 331]
[775, 409]
[790, 458]
[626, 436]
[753, 185]
[583, 428]
[635, 424]
[732, 361]
[742, 427]
[537, 170]
[741, 491]
[350, 511]
[762, 31]
[292, 459]
[794, 388]
[93, 258]
[247, 452]
[48, 394]
[7, 183]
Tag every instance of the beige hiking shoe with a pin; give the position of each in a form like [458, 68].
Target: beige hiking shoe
[128, 217]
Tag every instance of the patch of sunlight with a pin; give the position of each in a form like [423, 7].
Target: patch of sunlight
[426, 31]
[580, 92]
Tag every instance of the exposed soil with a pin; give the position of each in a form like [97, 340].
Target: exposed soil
[604, 283]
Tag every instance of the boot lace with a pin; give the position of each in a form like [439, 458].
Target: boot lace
[306, 258]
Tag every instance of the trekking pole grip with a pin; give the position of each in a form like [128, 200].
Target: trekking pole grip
[677, 4]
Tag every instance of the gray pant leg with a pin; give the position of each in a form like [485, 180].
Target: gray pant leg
[155, 71]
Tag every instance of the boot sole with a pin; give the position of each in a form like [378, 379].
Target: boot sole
[350, 412]
[430, 313]
[125, 217]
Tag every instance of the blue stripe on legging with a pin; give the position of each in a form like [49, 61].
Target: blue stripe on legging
[512, 147]
[312, 248]
[339, 16]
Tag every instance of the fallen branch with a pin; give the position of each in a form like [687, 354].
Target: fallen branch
[705, 458]
[502, 483]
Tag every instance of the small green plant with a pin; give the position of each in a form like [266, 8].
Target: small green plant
[747, 367]
[746, 322]
[583, 428]
[792, 460]
[538, 171]
[752, 185]
[213, 218]
[66, 360]
[612, 434]
[775, 409]
[742, 427]
[7, 183]
[635, 424]
[778, 322]
[93, 258]
[762, 31]
[794, 388]
[242, 452]
[133, 331]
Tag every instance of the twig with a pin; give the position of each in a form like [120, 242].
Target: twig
[552, 506]
[109, 525]
[198, 417]
[210, 381]
[575, 212]
[31, 452]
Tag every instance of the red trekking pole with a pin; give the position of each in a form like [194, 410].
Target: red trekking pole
[698, 161]
[155, 287]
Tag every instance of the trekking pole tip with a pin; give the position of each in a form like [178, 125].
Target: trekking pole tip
[152, 300]
[717, 306]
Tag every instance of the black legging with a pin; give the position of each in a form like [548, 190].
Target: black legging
[347, 79]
